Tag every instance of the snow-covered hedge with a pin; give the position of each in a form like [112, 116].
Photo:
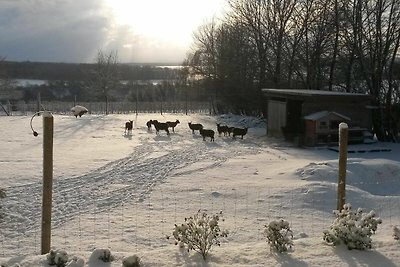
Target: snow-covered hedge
[353, 228]
[279, 235]
[131, 261]
[60, 257]
[199, 233]
[103, 254]
[57, 257]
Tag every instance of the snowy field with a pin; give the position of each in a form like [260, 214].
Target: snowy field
[125, 192]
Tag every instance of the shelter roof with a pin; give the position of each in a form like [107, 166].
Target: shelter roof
[321, 114]
[303, 94]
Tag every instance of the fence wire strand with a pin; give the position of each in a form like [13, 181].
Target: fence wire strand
[138, 224]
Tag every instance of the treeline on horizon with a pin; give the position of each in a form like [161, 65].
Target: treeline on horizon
[82, 71]
[106, 80]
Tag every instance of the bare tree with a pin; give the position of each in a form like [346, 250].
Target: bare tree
[7, 85]
[279, 17]
[251, 14]
[203, 59]
[376, 34]
[105, 76]
[237, 65]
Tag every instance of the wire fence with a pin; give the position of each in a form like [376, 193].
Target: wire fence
[140, 223]
[124, 107]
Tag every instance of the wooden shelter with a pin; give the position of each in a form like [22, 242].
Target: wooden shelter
[312, 116]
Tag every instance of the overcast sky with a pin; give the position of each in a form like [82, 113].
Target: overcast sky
[74, 31]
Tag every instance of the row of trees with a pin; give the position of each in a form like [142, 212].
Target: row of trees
[337, 45]
[105, 80]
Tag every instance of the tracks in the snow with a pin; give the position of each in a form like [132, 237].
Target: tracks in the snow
[128, 179]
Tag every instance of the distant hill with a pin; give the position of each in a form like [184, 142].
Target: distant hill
[80, 72]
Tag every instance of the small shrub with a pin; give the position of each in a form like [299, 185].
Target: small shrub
[279, 235]
[103, 254]
[199, 233]
[131, 261]
[353, 228]
[57, 257]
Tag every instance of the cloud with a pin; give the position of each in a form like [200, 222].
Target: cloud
[73, 31]
[52, 30]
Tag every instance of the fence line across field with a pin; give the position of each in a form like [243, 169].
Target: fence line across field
[142, 223]
[124, 107]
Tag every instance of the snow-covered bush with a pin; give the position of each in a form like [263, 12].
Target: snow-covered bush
[131, 261]
[396, 233]
[353, 228]
[279, 235]
[57, 257]
[103, 254]
[199, 233]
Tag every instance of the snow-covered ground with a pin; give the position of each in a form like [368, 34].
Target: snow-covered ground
[126, 192]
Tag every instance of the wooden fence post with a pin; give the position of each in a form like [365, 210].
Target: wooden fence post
[48, 125]
[343, 139]
[38, 102]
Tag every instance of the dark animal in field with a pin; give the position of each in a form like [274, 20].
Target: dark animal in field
[207, 133]
[148, 124]
[239, 131]
[222, 129]
[230, 130]
[195, 126]
[160, 126]
[172, 124]
[128, 126]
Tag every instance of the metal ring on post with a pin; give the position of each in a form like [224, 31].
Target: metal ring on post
[33, 131]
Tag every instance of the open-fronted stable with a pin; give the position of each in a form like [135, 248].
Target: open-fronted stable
[311, 117]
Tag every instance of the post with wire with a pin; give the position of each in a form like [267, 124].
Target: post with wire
[48, 128]
[343, 139]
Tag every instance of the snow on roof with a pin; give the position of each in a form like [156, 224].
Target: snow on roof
[307, 92]
[321, 114]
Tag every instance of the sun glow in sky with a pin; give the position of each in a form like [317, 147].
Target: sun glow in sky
[164, 22]
[142, 31]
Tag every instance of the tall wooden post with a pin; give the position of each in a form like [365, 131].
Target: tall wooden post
[107, 105]
[343, 139]
[38, 103]
[9, 107]
[48, 125]
[137, 99]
